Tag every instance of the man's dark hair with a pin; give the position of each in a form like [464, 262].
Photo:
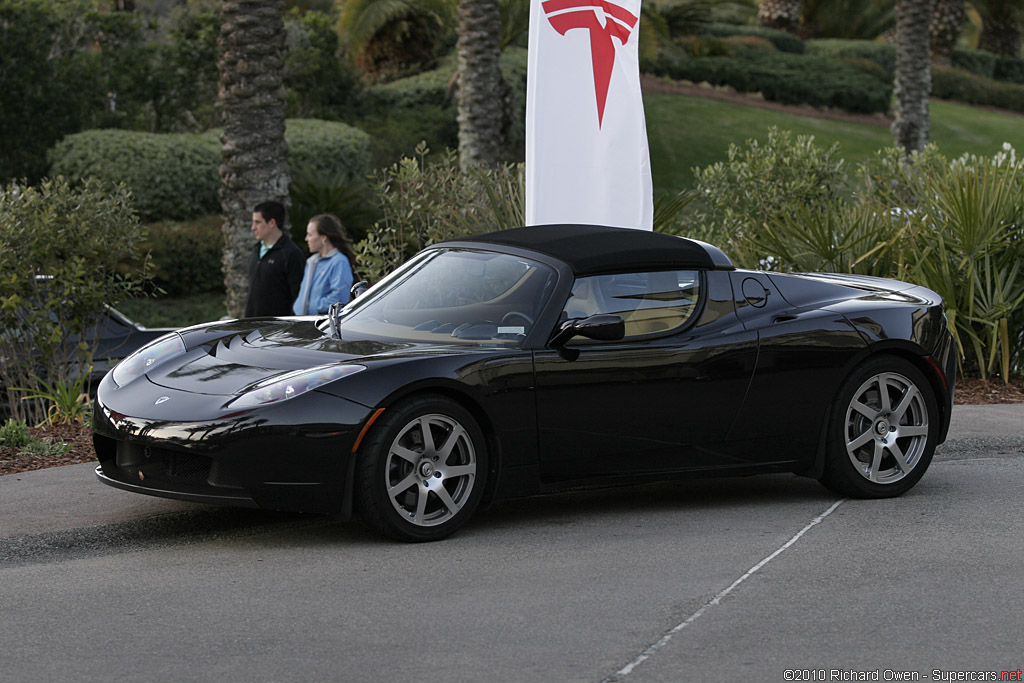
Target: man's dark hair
[272, 210]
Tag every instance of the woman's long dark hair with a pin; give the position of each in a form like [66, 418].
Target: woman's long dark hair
[330, 227]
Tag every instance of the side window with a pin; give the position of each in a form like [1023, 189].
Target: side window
[648, 302]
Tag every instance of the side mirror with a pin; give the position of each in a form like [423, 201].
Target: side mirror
[358, 289]
[600, 327]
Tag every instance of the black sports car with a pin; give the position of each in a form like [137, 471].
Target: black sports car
[534, 360]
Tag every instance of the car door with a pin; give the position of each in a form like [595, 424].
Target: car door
[659, 399]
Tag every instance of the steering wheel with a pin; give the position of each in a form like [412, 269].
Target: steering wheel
[510, 318]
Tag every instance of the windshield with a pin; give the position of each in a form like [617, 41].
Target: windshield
[456, 296]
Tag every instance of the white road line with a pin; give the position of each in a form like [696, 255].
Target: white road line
[646, 654]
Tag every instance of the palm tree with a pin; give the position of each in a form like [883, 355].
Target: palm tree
[387, 37]
[948, 17]
[913, 74]
[1000, 26]
[780, 14]
[482, 91]
[251, 99]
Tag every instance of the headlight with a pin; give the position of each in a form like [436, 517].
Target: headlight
[154, 353]
[291, 385]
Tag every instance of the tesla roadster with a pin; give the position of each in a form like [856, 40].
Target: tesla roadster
[536, 360]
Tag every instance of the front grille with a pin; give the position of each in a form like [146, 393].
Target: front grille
[163, 466]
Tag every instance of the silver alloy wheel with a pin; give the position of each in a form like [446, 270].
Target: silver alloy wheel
[886, 428]
[430, 469]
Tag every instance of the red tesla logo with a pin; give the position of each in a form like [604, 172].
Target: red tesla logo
[604, 21]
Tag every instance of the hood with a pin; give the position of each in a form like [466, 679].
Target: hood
[227, 359]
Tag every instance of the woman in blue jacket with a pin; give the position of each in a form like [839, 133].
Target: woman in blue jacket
[328, 275]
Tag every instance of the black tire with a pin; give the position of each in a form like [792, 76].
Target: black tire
[882, 430]
[415, 491]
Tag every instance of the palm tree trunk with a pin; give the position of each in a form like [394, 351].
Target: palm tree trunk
[780, 14]
[254, 156]
[948, 17]
[913, 74]
[482, 91]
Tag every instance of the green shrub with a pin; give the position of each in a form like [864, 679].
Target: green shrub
[187, 256]
[175, 176]
[14, 433]
[784, 42]
[791, 79]
[1009, 69]
[352, 201]
[765, 183]
[883, 54]
[46, 448]
[401, 114]
[62, 255]
[330, 148]
[976, 61]
[962, 86]
[170, 175]
[425, 203]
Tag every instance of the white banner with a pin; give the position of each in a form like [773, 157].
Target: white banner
[586, 139]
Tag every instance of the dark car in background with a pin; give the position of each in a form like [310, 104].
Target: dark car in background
[113, 337]
[536, 360]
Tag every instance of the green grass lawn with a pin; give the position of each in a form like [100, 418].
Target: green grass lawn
[687, 132]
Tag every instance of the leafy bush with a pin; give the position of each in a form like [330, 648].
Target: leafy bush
[330, 148]
[791, 79]
[62, 256]
[425, 203]
[352, 201]
[963, 237]
[320, 83]
[883, 54]
[63, 402]
[761, 184]
[976, 61]
[186, 255]
[785, 42]
[1009, 69]
[175, 176]
[402, 113]
[956, 227]
[46, 448]
[170, 175]
[14, 433]
[962, 86]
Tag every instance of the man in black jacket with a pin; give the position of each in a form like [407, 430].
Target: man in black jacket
[276, 264]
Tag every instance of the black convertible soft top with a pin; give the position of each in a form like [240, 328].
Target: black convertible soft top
[590, 249]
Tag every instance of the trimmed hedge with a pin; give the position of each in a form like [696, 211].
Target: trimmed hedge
[883, 54]
[170, 175]
[176, 176]
[989, 65]
[784, 42]
[790, 79]
[976, 61]
[963, 86]
[1009, 69]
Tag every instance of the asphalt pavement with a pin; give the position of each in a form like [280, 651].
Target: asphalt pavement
[766, 578]
[70, 497]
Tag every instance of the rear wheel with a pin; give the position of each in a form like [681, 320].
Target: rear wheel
[421, 470]
[882, 433]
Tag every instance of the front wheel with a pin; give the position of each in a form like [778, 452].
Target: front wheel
[882, 430]
[421, 470]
